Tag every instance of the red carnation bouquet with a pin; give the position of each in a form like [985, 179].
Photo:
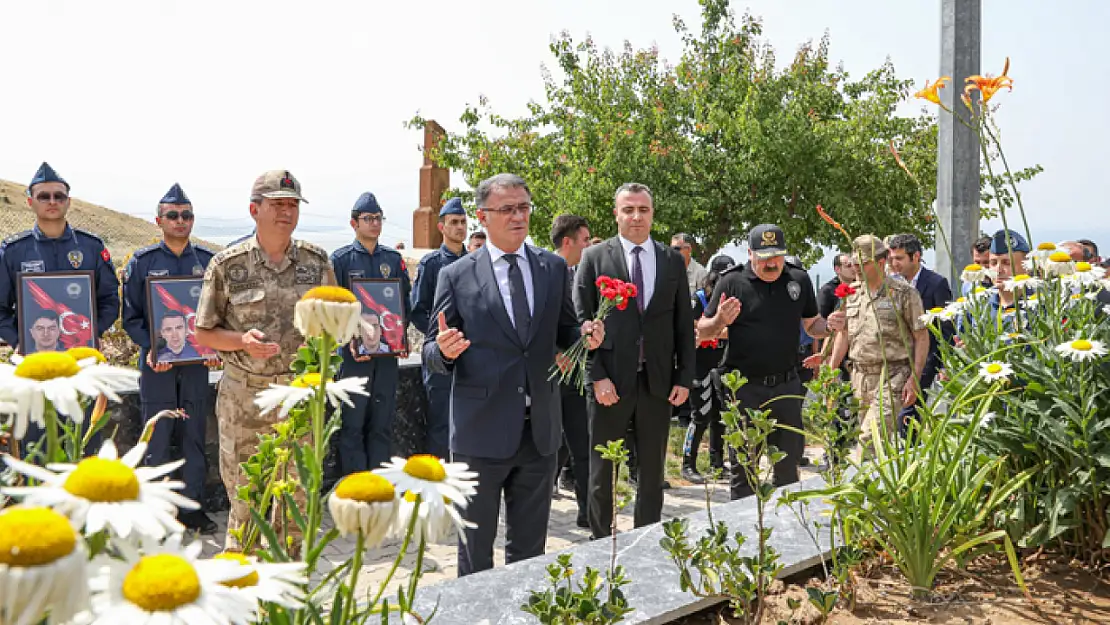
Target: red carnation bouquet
[842, 291]
[570, 366]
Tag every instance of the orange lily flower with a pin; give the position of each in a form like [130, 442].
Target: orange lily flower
[930, 91]
[989, 85]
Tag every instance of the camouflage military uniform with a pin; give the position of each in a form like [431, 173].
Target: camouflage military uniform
[880, 329]
[244, 290]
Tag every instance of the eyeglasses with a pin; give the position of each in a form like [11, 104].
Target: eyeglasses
[174, 215]
[372, 219]
[57, 196]
[519, 209]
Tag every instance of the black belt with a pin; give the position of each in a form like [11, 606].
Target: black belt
[776, 379]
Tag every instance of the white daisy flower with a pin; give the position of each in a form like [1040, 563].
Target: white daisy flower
[1081, 349]
[107, 491]
[43, 567]
[1058, 263]
[439, 519]
[981, 292]
[303, 388]
[62, 379]
[1019, 283]
[995, 370]
[269, 582]
[430, 477]
[987, 418]
[1086, 275]
[1010, 337]
[1031, 302]
[934, 315]
[364, 502]
[974, 273]
[168, 585]
[331, 310]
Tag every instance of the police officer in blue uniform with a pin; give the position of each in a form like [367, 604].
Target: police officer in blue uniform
[162, 385]
[52, 246]
[452, 225]
[366, 433]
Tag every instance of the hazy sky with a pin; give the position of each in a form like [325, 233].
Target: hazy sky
[124, 98]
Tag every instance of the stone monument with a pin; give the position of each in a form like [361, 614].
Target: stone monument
[957, 145]
[434, 180]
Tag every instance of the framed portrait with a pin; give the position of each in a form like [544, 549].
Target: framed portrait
[56, 311]
[383, 322]
[171, 304]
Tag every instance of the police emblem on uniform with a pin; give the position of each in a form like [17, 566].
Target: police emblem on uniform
[388, 292]
[384, 268]
[73, 290]
[237, 273]
[795, 290]
[194, 292]
[75, 257]
[198, 270]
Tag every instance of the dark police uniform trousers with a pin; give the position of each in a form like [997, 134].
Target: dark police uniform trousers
[437, 385]
[365, 437]
[183, 387]
[32, 252]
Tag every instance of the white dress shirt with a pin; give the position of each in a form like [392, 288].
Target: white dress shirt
[917, 275]
[647, 265]
[501, 274]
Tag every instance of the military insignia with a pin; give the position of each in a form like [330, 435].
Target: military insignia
[403, 267]
[75, 257]
[384, 268]
[307, 274]
[105, 255]
[158, 272]
[194, 292]
[794, 290]
[286, 182]
[388, 292]
[236, 273]
[769, 238]
[73, 290]
[32, 266]
[198, 270]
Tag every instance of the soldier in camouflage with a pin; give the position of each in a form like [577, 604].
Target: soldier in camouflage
[885, 339]
[246, 313]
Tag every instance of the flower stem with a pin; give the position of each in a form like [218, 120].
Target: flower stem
[356, 566]
[401, 553]
[52, 442]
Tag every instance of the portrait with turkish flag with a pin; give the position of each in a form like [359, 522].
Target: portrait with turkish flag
[56, 311]
[382, 331]
[172, 319]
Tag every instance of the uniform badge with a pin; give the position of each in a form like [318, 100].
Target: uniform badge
[32, 266]
[105, 255]
[795, 290]
[158, 272]
[355, 273]
[198, 270]
[237, 273]
[308, 274]
[384, 268]
[75, 257]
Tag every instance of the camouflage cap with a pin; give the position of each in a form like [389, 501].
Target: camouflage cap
[868, 247]
[277, 183]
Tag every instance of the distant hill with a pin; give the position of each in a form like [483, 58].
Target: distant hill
[122, 233]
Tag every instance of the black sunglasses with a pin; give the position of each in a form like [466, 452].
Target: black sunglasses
[57, 196]
[174, 215]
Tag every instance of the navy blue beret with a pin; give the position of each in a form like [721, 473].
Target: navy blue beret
[176, 195]
[452, 207]
[1017, 242]
[367, 203]
[46, 173]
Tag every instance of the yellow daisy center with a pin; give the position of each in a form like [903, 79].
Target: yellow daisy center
[98, 479]
[1059, 257]
[43, 366]
[161, 583]
[246, 581]
[1021, 277]
[82, 353]
[1082, 345]
[961, 300]
[1046, 247]
[1082, 266]
[937, 310]
[366, 487]
[308, 380]
[34, 536]
[330, 294]
[426, 467]
[994, 368]
[974, 267]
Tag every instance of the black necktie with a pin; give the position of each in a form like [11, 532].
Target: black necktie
[519, 296]
[638, 280]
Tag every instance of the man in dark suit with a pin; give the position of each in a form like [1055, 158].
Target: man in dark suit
[905, 260]
[646, 363]
[502, 313]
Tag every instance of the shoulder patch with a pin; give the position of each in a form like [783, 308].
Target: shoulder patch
[16, 237]
[88, 234]
[144, 250]
[205, 250]
[229, 252]
[311, 247]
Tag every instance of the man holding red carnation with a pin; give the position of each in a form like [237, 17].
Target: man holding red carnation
[645, 365]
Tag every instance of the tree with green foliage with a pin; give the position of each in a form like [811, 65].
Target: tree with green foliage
[724, 138]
